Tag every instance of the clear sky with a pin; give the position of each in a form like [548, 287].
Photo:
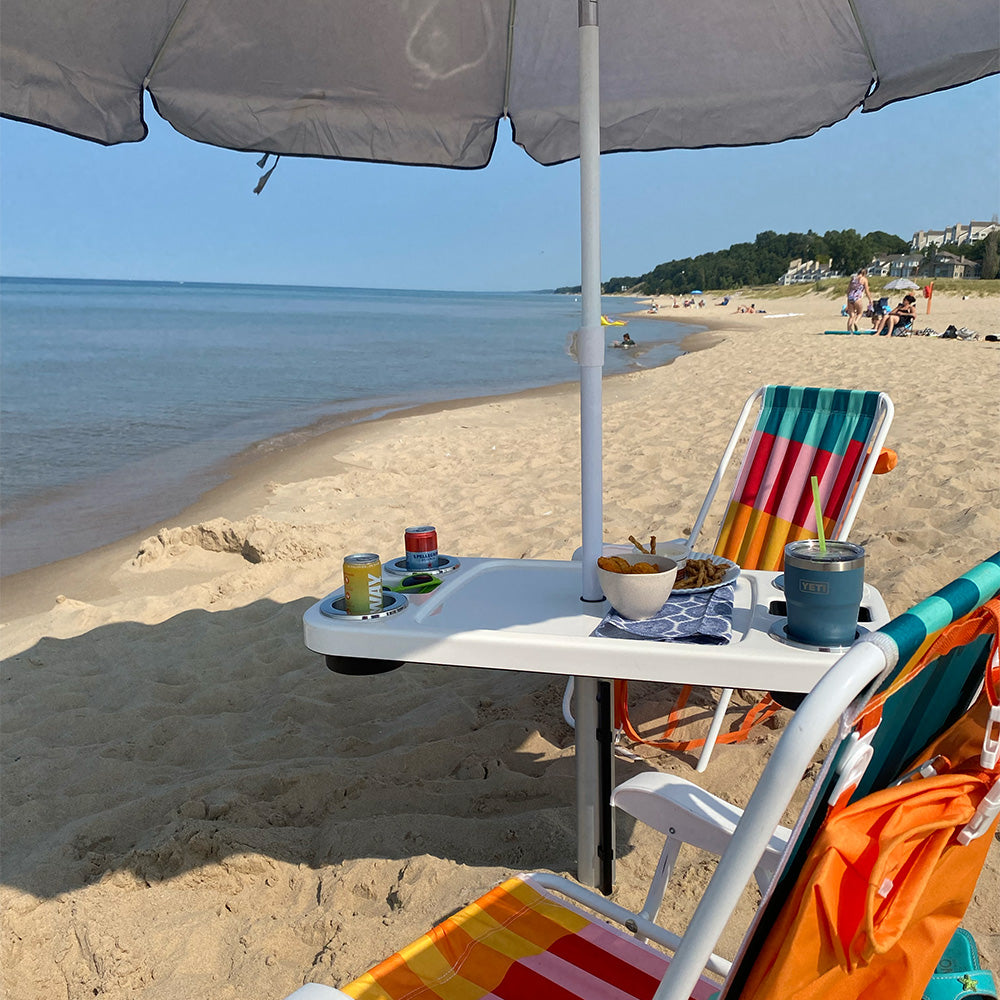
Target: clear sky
[172, 209]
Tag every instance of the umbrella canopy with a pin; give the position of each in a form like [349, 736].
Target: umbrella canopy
[901, 283]
[425, 82]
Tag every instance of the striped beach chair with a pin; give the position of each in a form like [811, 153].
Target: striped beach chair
[836, 435]
[543, 937]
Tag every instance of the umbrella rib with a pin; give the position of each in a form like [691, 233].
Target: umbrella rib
[510, 57]
[867, 45]
[163, 45]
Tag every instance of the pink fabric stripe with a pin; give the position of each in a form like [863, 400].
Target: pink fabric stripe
[796, 504]
[573, 978]
[795, 485]
[626, 948]
[753, 448]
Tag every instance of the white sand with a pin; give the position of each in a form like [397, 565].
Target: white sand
[194, 806]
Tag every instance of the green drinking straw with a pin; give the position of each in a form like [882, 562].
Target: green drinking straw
[819, 516]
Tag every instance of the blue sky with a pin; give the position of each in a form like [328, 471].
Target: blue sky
[172, 209]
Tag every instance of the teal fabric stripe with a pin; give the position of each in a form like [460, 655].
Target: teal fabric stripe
[950, 603]
[907, 631]
[825, 419]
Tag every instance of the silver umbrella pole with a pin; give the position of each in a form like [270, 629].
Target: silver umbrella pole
[594, 756]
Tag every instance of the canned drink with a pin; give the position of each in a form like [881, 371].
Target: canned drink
[362, 583]
[422, 547]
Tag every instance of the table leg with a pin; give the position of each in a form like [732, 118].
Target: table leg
[594, 783]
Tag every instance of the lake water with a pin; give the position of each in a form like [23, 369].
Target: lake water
[121, 401]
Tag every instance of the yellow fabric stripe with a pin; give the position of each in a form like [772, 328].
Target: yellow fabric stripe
[754, 539]
[467, 955]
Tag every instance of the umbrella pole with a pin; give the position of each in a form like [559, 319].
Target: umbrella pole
[594, 753]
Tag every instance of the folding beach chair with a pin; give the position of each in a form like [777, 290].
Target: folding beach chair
[834, 434]
[543, 937]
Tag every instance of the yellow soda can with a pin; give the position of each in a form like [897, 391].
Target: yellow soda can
[362, 583]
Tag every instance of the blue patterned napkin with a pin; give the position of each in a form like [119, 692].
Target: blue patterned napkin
[703, 618]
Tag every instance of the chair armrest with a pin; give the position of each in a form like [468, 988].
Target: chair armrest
[685, 811]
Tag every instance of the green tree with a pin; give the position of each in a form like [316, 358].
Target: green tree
[847, 249]
[990, 266]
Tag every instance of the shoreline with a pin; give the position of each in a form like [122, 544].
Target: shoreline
[243, 488]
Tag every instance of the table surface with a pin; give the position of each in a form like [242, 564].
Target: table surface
[526, 614]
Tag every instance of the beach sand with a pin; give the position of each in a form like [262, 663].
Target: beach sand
[194, 806]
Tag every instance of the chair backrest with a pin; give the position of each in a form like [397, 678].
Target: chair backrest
[832, 434]
[922, 708]
[885, 666]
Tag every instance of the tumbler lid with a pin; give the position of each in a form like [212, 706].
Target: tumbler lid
[839, 556]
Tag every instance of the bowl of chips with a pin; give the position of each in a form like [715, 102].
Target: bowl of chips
[637, 584]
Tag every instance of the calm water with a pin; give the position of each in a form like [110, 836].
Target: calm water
[122, 400]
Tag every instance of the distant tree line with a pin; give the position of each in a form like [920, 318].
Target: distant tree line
[767, 258]
[761, 262]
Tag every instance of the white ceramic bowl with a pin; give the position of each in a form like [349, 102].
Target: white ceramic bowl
[639, 595]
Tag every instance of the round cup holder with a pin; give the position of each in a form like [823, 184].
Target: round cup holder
[398, 567]
[779, 631]
[392, 603]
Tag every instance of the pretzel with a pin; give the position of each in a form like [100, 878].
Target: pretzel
[642, 548]
[699, 573]
[651, 551]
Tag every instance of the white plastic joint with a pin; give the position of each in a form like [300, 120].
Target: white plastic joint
[983, 817]
[854, 764]
[991, 739]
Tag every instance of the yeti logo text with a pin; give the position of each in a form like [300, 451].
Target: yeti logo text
[813, 587]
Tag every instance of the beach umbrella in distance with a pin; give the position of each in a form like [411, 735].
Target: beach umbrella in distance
[426, 83]
[901, 283]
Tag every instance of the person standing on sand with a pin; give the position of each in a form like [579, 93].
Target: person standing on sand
[857, 289]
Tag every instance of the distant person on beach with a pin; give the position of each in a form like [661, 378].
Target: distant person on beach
[899, 319]
[857, 289]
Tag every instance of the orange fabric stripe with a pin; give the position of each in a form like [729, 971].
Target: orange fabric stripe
[756, 540]
[468, 955]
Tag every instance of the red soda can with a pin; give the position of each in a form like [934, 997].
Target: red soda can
[422, 547]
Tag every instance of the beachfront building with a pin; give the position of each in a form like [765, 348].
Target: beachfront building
[896, 265]
[959, 234]
[801, 272]
[948, 265]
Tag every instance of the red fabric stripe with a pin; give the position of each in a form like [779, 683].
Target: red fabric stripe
[521, 982]
[846, 481]
[805, 516]
[757, 469]
[605, 966]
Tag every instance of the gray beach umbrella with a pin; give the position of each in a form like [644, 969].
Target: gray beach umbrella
[425, 82]
[899, 283]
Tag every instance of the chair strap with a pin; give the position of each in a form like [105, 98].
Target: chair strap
[753, 716]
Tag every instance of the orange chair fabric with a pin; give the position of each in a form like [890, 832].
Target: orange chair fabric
[886, 882]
